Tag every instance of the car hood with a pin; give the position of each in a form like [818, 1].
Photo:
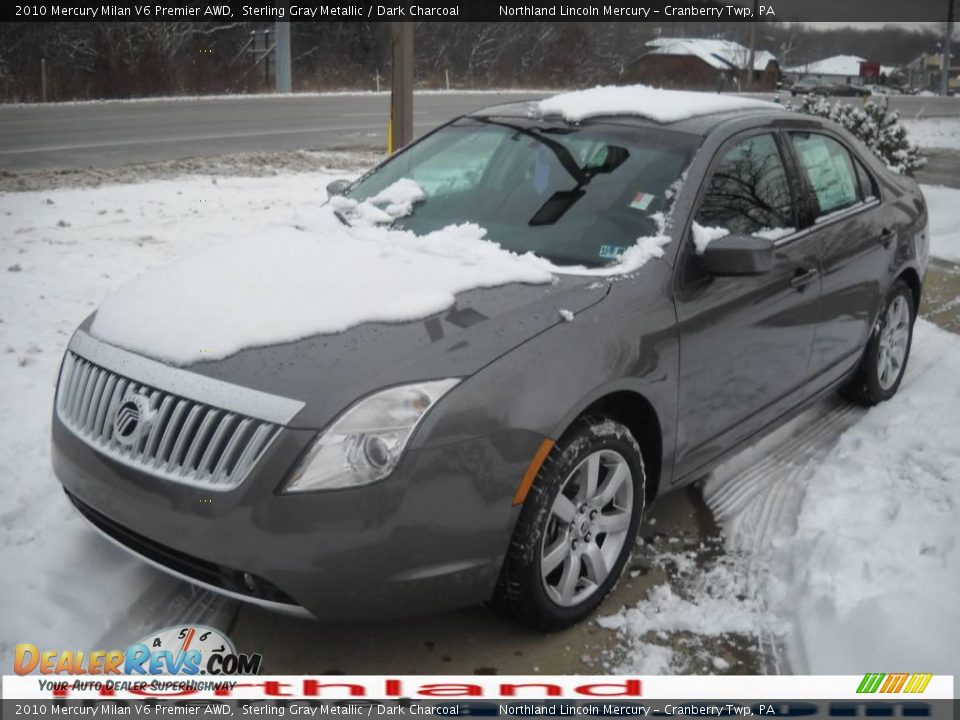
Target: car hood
[330, 372]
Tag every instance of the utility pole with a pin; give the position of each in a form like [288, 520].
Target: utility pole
[401, 88]
[945, 69]
[282, 71]
[43, 79]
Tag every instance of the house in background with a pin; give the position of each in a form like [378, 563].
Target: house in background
[703, 64]
[843, 70]
[924, 73]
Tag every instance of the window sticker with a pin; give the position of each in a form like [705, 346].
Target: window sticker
[641, 201]
[828, 173]
[611, 252]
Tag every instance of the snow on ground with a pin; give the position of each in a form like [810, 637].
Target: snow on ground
[841, 541]
[938, 132]
[878, 543]
[658, 105]
[61, 253]
[943, 204]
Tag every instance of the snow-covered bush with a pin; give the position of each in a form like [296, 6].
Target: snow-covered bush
[877, 127]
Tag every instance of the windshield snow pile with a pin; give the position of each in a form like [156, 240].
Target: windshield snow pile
[658, 105]
[263, 290]
[281, 284]
[395, 201]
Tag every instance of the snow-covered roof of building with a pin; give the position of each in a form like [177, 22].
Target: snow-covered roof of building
[848, 65]
[653, 103]
[720, 54]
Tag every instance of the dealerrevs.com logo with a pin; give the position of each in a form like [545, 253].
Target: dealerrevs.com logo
[185, 650]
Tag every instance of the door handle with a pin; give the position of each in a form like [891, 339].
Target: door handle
[803, 277]
[886, 236]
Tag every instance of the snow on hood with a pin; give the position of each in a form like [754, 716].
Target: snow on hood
[658, 105]
[286, 283]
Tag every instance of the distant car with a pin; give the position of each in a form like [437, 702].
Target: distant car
[843, 90]
[818, 86]
[807, 86]
[506, 448]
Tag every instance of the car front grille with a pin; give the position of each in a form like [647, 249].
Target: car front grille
[182, 440]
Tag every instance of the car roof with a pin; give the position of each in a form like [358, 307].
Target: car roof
[701, 125]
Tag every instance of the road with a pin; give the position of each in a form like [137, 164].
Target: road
[76, 135]
[107, 134]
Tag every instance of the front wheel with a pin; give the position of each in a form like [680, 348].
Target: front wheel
[885, 359]
[577, 527]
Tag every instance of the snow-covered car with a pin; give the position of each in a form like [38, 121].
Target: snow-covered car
[466, 377]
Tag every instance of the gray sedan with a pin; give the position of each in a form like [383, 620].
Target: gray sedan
[505, 449]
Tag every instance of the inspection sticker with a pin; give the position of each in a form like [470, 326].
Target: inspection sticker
[611, 251]
[641, 201]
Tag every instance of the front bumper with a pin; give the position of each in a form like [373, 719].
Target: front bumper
[431, 537]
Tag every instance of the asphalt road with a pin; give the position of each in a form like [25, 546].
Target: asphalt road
[103, 134]
[34, 137]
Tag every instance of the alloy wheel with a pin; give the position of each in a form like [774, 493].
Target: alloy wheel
[894, 337]
[587, 527]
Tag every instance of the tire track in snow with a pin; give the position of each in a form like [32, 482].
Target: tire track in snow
[756, 496]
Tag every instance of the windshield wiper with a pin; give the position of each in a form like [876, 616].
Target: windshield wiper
[559, 149]
[562, 200]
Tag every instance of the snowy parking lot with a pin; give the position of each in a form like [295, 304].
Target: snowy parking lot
[839, 524]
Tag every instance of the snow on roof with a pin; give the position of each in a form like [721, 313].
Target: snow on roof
[720, 54]
[658, 105]
[848, 65]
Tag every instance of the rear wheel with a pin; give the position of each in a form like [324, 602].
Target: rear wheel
[885, 359]
[577, 527]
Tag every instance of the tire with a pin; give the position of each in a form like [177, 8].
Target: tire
[572, 533]
[885, 359]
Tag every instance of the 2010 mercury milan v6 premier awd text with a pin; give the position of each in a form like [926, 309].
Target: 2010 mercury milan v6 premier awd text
[465, 377]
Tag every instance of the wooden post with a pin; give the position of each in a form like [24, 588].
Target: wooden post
[43, 79]
[401, 88]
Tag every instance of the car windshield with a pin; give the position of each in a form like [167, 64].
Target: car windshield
[576, 195]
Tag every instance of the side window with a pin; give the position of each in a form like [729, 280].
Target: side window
[830, 171]
[748, 193]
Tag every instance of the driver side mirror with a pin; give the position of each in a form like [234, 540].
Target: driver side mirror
[738, 255]
[338, 187]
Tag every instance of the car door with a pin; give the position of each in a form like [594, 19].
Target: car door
[855, 237]
[745, 341]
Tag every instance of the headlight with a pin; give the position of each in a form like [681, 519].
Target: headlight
[365, 444]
